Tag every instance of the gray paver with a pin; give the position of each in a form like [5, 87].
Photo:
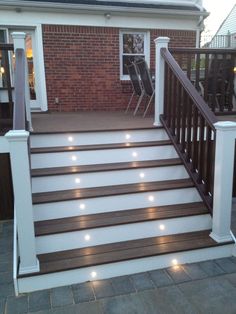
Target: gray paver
[39, 300]
[6, 277]
[211, 295]
[160, 278]
[61, 296]
[211, 268]
[83, 292]
[2, 306]
[5, 267]
[167, 300]
[122, 285]
[226, 264]
[142, 281]
[178, 274]
[103, 289]
[17, 305]
[6, 290]
[194, 271]
[128, 304]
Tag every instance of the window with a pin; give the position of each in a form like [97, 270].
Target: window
[3, 39]
[132, 45]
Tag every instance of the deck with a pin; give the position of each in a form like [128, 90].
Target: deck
[88, 121]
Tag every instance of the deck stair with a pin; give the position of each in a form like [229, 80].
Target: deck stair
[110, 203]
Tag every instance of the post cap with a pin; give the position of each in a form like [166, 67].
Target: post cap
[225, 125]
[18, 35]
[163, 40]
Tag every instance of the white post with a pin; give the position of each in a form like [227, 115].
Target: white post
[19, 42]
[19, 157]
[160, 42]
[223, 180]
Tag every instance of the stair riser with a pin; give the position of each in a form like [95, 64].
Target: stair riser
[94, 138]
[95, 179]
[114, 203]
[121, 268]
[102, 156]
[98, 236]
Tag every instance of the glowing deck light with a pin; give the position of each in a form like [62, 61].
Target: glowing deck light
[93, 274]
[70, 139]
[77, 180]
[151, 198]
[174, 262]
[74, 158]
[134, 154]
[87, 237]
[142, 174]
[162, 227]
[82, 206]
[127, 136]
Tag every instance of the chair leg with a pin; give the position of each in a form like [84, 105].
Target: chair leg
[130, 101]
[148, 104]
[139, 102]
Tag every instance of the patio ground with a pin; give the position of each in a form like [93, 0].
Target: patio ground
[206, 287]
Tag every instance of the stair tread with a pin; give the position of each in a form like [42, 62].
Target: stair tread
[78, 223]
[123, 251]
[57, 196]
[57, 149]
[105, 167]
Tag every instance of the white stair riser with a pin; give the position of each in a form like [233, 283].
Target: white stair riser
[98, 236]
[120, 269]
[102, 156]
[93, 138]
[114, 203]
[95, 179]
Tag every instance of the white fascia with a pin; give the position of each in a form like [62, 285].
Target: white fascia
[69, 7]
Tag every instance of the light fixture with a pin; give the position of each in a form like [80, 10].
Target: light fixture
[2, 70]
[234, 70]
[174, 262]
[162, 227]
[87, 237]
[142, 174]
[93, 274]
[107, 15]
[70, 138]
[134, 154]
[82, 206]
[77, 180]
[74, 158]
[151, 198]
[127, 136]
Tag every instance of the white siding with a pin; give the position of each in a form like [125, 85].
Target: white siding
[229, 25]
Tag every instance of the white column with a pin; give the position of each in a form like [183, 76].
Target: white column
[19, 43]
[19, 157]
[223, 180]
[160, 42]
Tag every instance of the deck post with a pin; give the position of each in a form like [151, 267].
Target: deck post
[160, 42]
[18, 147]
[19, 42]
[223, 180]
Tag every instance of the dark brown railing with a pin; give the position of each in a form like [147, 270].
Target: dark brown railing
[212, 72]
[6, 105]
[190, 125]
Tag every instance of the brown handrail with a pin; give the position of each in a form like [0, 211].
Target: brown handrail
[188, 86]
[8, 47]
[19, 107]
[202, 50]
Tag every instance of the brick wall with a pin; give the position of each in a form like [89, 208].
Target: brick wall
[82, 66]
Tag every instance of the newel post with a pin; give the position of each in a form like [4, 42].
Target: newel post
[19, 43]
[160, 42]
[223, 180]
[18, 147]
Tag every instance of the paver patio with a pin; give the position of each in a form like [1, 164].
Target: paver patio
[205, 287]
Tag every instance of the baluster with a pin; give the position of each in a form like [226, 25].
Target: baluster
[178, 110]
[189, 127]
[201, 160]
[195, 139]
[183, 128]
[206, 74]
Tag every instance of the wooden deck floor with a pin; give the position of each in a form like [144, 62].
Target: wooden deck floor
[88, 121]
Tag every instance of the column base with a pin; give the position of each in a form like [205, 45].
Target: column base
[29, 269]
[221, 239]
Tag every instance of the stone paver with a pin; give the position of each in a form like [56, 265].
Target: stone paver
[83, 292]
[2, 306]
[194, 271]
[103, 289]
[122, 285]
[62, 296]
[178, 274]
[17, 305]
[211, 268]
[39, 300]
[227, 265]
[142, 281]
[160, 278]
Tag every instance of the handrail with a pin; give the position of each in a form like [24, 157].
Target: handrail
[6, 47]
[19, 107]
[202, 50]
[190, 89]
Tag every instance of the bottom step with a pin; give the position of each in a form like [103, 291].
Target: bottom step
[123, 258]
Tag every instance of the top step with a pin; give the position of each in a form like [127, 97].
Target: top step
[97, 137]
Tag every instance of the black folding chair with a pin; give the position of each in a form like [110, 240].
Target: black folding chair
[136, 85]
[146, 80]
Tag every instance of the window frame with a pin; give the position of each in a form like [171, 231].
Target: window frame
[146, 49]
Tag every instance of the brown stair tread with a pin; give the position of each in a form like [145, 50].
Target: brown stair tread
[55, 149]
[105, 167]
[123, 251]
[121, 217]
[57, 196]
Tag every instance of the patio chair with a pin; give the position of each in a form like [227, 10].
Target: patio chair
[146, 80]
[136, 85]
